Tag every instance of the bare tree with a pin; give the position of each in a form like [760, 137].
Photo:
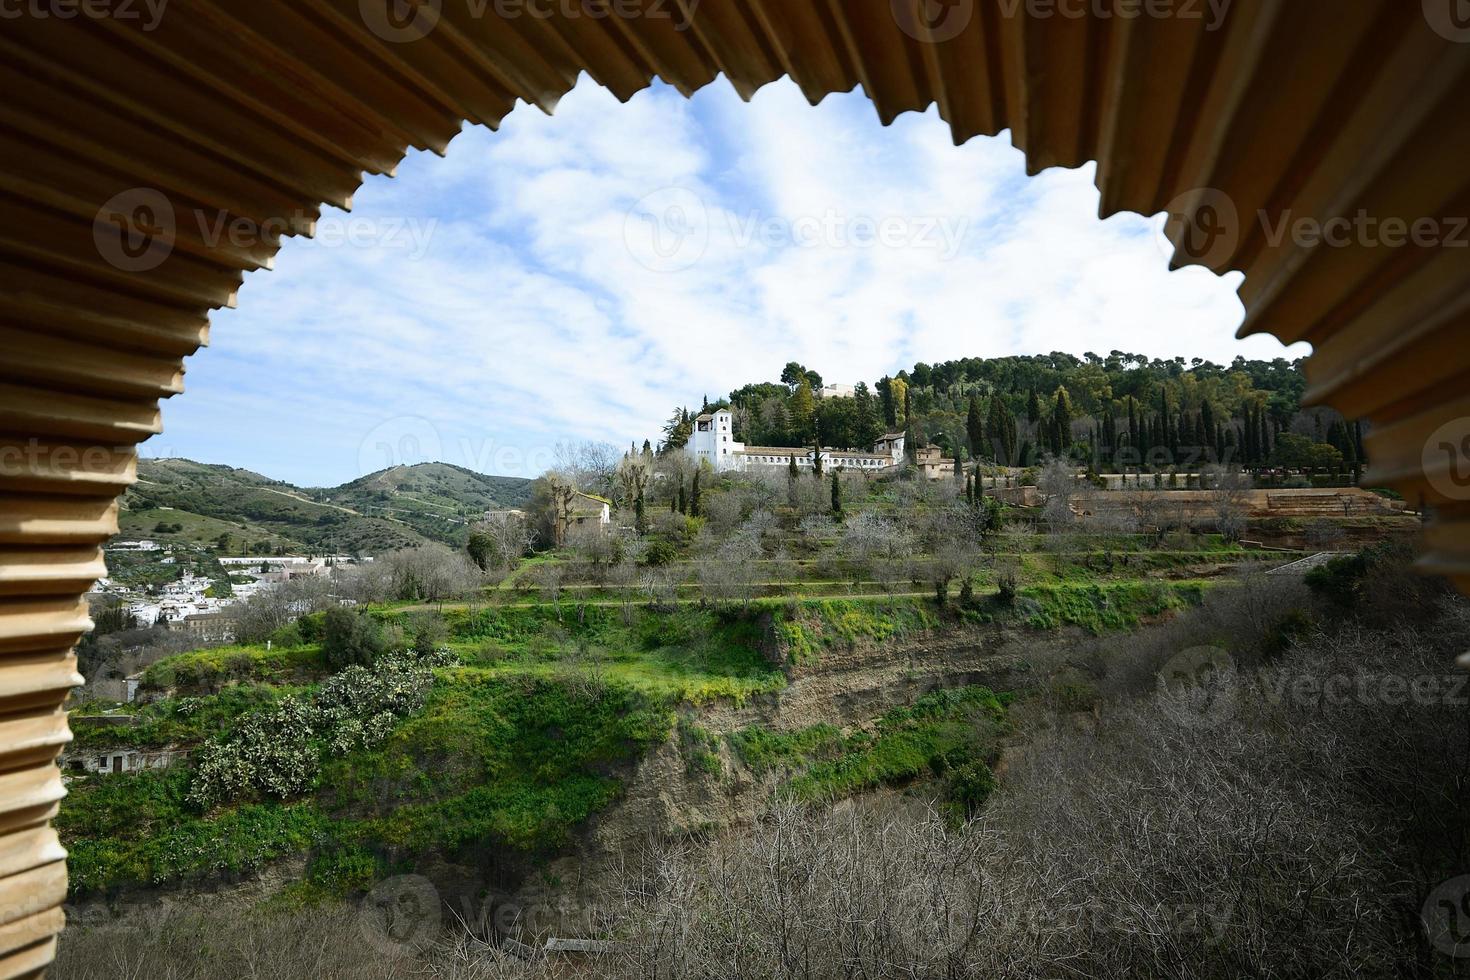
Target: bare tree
[547, 578]
[561, 493]
[589, 466]
[634, 471]
[276, 606]
[731, 572]
[1058, 482]
[499, 541]
[879, 545]
[1229, 490]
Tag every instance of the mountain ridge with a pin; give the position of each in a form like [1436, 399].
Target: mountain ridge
[179, 500]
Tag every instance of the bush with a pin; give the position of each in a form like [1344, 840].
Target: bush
[276, 753]
[970, 786]
[351, 638]
[660, 551]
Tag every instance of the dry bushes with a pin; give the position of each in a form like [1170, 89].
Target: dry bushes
[1286, 817]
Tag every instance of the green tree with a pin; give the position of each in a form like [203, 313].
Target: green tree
[868, 427]
[694, 496]
[803, 411]
[975, 428]
[351, 637]
[836, 494]
[1062, 422]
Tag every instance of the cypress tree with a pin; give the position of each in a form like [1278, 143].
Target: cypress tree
[975, 428]
[836, 494]
[683, 500]
[995, 427]
[1135, 433]
[694, 497]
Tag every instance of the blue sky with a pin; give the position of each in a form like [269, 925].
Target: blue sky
[576, 277]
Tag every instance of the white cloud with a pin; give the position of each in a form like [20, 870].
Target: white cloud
[529, 318]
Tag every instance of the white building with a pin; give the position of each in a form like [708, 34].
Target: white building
[839, 391]
[713, 442]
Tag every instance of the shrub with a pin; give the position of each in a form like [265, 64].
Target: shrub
[350, 637]
[660, 551]
[970, 785]
[276, 752]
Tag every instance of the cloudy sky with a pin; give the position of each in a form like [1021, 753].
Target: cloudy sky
[577, 277]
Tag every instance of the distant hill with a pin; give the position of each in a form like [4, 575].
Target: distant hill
[435, 499]
[181, 500]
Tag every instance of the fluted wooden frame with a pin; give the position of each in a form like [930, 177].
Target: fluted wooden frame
[262, 111]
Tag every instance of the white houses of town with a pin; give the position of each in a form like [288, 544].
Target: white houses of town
[713, 441]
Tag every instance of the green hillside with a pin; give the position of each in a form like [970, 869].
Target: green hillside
[178, 500]
[437, 500]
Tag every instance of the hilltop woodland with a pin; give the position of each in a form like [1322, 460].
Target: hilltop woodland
[1119, 413]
